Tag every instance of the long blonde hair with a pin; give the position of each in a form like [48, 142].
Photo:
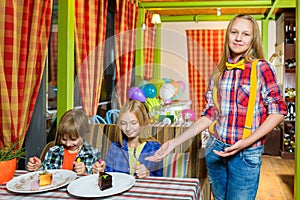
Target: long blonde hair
[139, 110]
[255, 50]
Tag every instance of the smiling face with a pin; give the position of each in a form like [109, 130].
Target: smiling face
[72, 144]
[72, 128]
[130, 125]
[240, 37]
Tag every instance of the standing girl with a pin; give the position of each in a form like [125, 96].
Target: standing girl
[72, 151]
[128, 156]
[244, 104]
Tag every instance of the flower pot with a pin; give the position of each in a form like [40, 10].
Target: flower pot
[9, 167]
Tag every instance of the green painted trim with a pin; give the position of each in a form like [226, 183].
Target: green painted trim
[65, 65]
[286, 4]
[157, 53]
[272, 9]
[197, 18]
[139, 53]
[213, 4]
[265, 36]
[297, 128]
[271, 4]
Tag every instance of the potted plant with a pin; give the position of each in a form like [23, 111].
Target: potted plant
[8, 161]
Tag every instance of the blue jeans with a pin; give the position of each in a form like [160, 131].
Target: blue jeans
[235, 177]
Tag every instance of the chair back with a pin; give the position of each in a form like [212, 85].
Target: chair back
[102, 135]
[97, 119]
[46, 148]
[112, 116]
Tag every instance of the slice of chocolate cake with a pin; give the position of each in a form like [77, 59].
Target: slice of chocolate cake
[104, 181]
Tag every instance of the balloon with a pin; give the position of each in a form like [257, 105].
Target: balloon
[176, 94]
[158, 83]
[167, 91]
[136, 93]
[167, 102]
[166, 80]
[182, 85]
[149, 90]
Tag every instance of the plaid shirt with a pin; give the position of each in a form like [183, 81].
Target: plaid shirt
[233, 96]
[55, 156]
[117, 158]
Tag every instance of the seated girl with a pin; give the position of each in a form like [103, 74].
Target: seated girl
[128, 155]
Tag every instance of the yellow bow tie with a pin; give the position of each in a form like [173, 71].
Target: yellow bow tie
[238, 65]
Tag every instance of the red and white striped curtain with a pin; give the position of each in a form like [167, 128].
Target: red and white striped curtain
[90, 35]
[24, 35]
[149, 46]
[205, 48]
[126, 15]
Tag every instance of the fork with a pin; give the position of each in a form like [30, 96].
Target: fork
[134, 155]
[37, 150]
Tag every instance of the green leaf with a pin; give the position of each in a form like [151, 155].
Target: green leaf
[8, 153]
[104, 176]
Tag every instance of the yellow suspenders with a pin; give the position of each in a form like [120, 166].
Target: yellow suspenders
[251, 102]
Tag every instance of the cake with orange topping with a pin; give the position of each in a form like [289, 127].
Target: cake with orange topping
[45, 178]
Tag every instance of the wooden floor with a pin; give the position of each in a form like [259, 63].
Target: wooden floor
[277, 179]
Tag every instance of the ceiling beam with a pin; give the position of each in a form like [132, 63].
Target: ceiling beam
[197, 18]
[272, 9]
[174, 5]
[219, 4]
[286, 4]
[211, 4]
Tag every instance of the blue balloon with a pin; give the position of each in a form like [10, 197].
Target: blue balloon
[149, 90]
[166, 80]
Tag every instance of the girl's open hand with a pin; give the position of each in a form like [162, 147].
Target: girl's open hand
[162, 152]
[229, 151]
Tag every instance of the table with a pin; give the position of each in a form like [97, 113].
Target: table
[147, 188]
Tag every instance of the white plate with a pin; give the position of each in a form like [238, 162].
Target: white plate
[28, 183]
[87, 186]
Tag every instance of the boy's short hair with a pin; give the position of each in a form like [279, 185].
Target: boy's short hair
[73, 124]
